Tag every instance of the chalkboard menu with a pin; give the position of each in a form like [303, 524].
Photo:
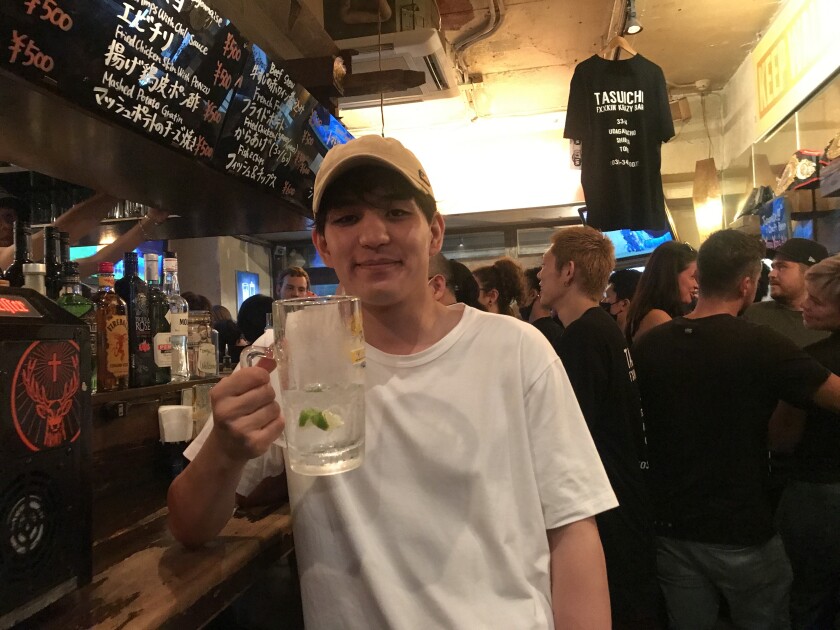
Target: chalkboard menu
[182, 75]
[274, 132]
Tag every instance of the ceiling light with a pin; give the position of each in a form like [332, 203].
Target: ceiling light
[632, 25]
[708, 204]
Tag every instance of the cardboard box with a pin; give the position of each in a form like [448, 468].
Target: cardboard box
[680, 109]
[749, 224]
[811, 201]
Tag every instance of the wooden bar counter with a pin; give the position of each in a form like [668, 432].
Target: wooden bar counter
[142, 577]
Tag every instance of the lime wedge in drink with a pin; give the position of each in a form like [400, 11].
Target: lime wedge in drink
[324, 420]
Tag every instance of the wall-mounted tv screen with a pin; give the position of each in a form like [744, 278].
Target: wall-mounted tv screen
[631, 243]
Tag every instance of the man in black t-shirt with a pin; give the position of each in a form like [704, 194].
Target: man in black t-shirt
[709, 383]
[574, 275]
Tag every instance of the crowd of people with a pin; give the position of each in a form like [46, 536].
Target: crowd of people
[617, 475]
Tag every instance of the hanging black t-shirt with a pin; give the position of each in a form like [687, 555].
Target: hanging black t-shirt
[619, 110]
[709, 386]
[817, 456]
[599, 366]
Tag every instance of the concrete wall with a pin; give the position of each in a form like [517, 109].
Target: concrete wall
[208, 266]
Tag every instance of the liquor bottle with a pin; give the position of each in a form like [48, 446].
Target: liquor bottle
[72, 300]
[53, 279]
[132, 289]
[158, 311]
[23, 246]
[33, 277]
[111, 333]
[178, 319]
[64, 246]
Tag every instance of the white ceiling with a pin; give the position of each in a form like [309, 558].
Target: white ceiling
[528, 63]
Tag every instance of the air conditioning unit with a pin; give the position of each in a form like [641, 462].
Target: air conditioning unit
[420, 49]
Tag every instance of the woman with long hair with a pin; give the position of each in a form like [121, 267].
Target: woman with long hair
[666, 289]
[501, 286]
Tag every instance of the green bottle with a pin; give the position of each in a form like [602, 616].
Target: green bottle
[72, 300]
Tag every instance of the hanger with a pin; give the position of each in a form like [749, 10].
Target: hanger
[612, 49]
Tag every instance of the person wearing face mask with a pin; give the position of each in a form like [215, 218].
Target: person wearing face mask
[594, 352]
[619, 294]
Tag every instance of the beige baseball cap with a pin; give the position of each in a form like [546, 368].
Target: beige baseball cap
[372, 149]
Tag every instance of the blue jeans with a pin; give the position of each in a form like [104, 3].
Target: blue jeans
[809, 521]
[754, 580]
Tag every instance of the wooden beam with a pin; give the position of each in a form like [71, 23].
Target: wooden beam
[284, 29]
[382, 81]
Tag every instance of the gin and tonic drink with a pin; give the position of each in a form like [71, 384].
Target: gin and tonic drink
[320, 355]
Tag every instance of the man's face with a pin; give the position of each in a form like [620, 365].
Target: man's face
[787, 281]
[293, 287]
[7, 226]
[552, 289]
[380, 250]
[819, 312]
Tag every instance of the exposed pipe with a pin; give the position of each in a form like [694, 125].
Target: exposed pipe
[494, 21]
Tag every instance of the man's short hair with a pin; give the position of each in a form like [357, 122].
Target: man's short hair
[440, 265]
[352, 172]
[824, 279]
[724, 259]
[624, 283]
[593, 255]
[295, 272]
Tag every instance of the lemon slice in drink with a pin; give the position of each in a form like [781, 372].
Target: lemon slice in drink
[332, 419]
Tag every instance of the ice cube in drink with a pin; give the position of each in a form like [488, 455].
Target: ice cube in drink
[325, 428]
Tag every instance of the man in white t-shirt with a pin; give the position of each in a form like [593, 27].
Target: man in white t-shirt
[474, 505]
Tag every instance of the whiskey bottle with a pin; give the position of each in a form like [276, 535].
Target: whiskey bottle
[158, 311]
[54, 279]
[178, 317]
[72, 300]
[111, 333]
[23, 247]
[132, 289]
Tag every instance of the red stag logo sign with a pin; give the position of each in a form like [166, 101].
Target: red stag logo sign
[44, 407]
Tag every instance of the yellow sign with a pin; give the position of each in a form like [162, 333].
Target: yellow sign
[795, 56]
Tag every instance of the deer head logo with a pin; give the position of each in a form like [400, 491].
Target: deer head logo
[53, 410]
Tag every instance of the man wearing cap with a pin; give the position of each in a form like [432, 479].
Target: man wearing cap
[709, 382]
[474, 506]
[787, 288]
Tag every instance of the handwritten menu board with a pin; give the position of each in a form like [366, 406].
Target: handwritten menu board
[179, 73]
[274, 131]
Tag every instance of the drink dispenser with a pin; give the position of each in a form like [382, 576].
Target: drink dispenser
[45, 455]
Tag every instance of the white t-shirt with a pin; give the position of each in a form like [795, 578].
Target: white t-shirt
[474, 448]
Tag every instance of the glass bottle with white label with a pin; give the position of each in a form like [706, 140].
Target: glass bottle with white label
[158, 311]
[178, 318]
[201, 351]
